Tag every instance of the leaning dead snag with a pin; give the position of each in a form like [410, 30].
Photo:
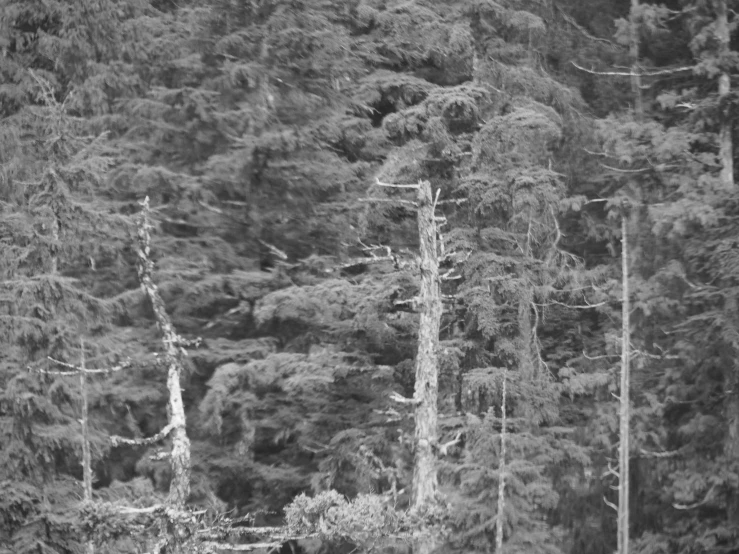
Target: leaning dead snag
[174, 529]
[179, 488]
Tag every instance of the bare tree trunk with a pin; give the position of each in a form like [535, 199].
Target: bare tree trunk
[179, 488]
[501, 469]
[424, 491]
[726, 154]
[624, 416]
[726, 148]
[86, 457]
[634, 54]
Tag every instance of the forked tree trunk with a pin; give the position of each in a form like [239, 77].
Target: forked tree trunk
[624, 414]
[424, 490]
[179, 488]
[501, 469]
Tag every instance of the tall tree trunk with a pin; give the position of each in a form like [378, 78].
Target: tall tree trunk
[726, 154]
[86, 457]
[179, 488]
[624, 415]
[501, 468]
[424, 491]
[634, 55]
[726, 148]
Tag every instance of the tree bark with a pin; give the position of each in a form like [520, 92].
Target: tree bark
[624, 415]
[424, 490]
[726, 148]
[86, 456]
[634, 55]
[501, 469]
[179, 488]
[726, 154]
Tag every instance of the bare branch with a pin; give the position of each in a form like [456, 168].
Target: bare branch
[394, 396]
[611, 168]
[381, 184]
[655, 356]
[161, 435]
[659, 455]
[575, 306]
[610, 504]
[631, 73]
[243, 547]
[444, 448]
[75, 370]
[273, 249]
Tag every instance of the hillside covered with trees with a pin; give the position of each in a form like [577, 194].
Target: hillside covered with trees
[336, 276]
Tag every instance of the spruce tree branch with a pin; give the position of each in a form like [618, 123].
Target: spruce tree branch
[569, 19]
[706, 499]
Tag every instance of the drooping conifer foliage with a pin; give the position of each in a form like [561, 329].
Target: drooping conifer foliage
[263, 133]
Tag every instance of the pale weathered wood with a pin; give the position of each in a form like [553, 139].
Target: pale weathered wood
[624, 397]
[179, 488]
[500, 516]
[425, 485]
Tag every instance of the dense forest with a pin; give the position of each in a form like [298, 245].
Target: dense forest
[335, 276]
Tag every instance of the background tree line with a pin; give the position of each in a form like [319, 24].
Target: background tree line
[554, 131]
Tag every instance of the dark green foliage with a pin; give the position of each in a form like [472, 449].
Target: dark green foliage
[258, 130]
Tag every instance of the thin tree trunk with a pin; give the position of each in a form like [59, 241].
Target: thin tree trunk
[86, 457]
[424, 490]
[179, 488]
[726, 154]
[726, 148]
[624, 416]
[634, 55]
[525, 327]
[501, 469]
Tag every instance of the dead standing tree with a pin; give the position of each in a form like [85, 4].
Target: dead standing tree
[82, 371]
[424, 492]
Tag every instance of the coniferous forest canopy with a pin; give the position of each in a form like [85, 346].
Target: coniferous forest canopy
[226, 327]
